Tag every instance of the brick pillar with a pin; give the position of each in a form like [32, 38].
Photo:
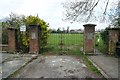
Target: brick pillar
[11, 39]
[89, 30]
[34, 46]
[113, 36]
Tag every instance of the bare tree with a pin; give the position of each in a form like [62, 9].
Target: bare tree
[14, 20]
[116, 20]
[84, 10]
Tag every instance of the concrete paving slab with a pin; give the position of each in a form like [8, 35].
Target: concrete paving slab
[56, 67]
[0, 57]
[5, 56]
[0, 72]
[9, 67]
[12, 62]
[108, 64]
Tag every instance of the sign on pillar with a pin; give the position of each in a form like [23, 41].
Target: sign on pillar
[11, 40]
[89, 30]
[23, 28]
[34, 46]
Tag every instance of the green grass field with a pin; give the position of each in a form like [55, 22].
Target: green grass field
[64, 43]
[67, 39]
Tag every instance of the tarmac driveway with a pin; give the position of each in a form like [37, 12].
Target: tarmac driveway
[56, 67]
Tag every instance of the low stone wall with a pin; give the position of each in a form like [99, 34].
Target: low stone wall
[3, 47]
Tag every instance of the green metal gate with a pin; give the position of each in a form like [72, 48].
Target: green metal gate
[65, 43]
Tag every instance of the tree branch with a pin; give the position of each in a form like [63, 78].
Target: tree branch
[106, 7]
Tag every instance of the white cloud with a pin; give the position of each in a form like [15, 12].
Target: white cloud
[49, 10]
[7, 6]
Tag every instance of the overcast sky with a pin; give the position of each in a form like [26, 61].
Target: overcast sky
[49, 10]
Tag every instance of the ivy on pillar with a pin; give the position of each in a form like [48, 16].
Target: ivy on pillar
[89, 30]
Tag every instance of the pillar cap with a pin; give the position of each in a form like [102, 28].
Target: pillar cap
[113, 28]
[12, 28]
[33, 25]
[90, 25]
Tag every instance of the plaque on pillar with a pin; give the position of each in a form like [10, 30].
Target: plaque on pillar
[90, 36]
[33, 35]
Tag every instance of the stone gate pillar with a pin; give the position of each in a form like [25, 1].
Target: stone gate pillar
[89, 30]
[12, 40]
[34, 46]
[113, 36]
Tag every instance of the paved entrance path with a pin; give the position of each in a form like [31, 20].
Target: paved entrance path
[56, 67]
[9, 63]
[107, 64]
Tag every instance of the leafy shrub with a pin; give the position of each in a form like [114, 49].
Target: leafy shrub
[4, 36]
[43, 26]
[16, 21]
